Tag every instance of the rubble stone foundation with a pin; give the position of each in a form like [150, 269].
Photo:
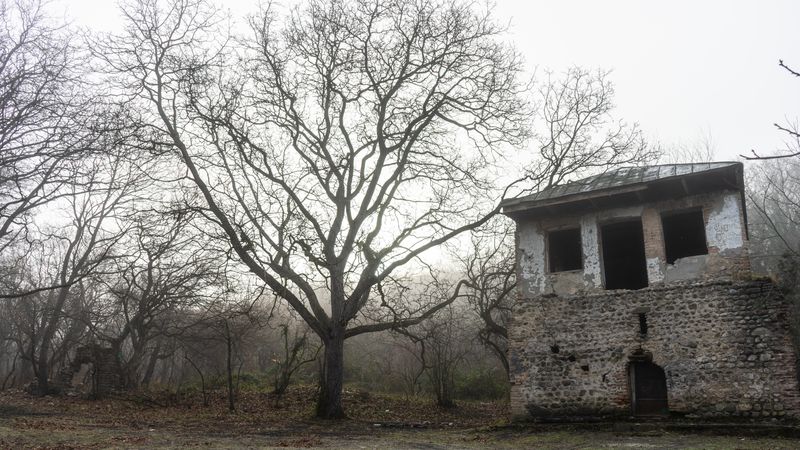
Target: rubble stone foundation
[725, 348]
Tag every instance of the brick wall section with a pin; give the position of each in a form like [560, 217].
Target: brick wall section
[653, 235]
[105, 368]
[107, 372]
[724, 346]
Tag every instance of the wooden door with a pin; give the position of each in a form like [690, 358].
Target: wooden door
[649, 389]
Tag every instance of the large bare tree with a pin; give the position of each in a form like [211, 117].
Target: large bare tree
[42, 113]
[333, 148]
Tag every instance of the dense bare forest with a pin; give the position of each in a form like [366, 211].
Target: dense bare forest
[310, 197]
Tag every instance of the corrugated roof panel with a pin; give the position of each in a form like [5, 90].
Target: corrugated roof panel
[650, 173]
[621, 177]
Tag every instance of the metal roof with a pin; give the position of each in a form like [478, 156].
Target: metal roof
[618, 180]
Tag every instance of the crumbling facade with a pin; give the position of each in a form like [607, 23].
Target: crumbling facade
[95, 371]
[636, 298]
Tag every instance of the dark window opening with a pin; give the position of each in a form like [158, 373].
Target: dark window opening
[642, 324]
[684, 235]
[585, 367]
[624, 263]
[564, 248]
[554, 348]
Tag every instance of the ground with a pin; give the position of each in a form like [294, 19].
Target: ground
[376, 421]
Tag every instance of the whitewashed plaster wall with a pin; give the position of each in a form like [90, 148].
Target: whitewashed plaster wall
[724, 231]
[530, 259]
[724, 225]
[590, 241]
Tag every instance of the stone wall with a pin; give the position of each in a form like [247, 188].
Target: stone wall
[104, 367]
[724, 346]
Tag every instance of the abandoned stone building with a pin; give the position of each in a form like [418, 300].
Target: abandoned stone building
[636, 298]
[94, 371]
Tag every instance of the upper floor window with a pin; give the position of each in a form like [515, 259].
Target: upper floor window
[684, 234]
[564, 250]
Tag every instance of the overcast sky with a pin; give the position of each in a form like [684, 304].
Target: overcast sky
[682, 69]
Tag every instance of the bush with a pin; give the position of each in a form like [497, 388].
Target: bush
[481, 385]
[246, 381]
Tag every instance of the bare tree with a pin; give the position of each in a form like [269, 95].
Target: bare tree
[295, 352]
[43, 114]
[410, 363]
[87, 245]
[444, 343]
[791, 130]
[490, 269]
[774, 197]
[232, 327]
[577, 133]
[23, 315]
[164, 269]
[338, 149]
[701, 149]
[10, 345]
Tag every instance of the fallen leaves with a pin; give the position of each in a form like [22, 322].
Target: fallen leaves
[131, 419]
[303, 442]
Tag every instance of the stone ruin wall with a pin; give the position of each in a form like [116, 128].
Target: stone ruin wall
[106, 376]
[725, 348]
[100, 364]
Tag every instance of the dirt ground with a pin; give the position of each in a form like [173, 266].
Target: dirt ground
[167, 421]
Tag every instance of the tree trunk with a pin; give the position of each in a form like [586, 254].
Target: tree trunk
[202, 380]
[27, 370]
[151, 365]
[10, 372]
[43, 368]
[132, 368]
[329, 402]
[443, 382]
[43, 364]
[228, 339]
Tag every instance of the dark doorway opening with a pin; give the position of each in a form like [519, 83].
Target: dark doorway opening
[648, 389]
[684, 235]
[564, 247]
[623, 255]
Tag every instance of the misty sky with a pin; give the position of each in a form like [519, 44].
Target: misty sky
[684, 70]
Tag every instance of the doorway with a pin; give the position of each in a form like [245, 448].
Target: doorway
[623, 255]
[648, 389]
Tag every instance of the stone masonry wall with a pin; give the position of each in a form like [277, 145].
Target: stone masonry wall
[104, 366]
[724, 346]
